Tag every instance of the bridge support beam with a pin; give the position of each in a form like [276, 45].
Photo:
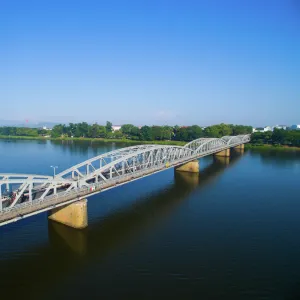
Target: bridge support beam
[191, 166]
[73, 215]
[224, 153]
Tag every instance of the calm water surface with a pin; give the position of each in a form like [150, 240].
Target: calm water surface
[231, 232]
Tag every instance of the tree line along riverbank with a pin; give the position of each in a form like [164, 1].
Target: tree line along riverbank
[127, 132]
[132, 142]
[167, 135]
[279, 138]
[93, 140]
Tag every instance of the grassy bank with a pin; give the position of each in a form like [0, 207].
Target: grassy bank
[178, 143]
[133, 142]
[271, 147]
[7, 137]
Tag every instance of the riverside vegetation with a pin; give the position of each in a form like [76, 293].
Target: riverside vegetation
[283, 139]
[128, 132]
[279, 138]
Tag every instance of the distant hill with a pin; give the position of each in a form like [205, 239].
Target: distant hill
[27, 124]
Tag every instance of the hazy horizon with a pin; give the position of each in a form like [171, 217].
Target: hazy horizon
[41, 123]
[150, 62]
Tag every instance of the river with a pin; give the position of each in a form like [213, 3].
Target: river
[231, 232]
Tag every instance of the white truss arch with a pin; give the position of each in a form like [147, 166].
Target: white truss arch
[113, 164]
[196, 143]
[103, 159]
[233, 140]
[246, 138]
[210, 145]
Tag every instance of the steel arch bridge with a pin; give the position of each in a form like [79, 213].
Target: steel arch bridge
[25, 194]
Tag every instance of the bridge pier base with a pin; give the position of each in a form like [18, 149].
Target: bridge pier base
[224, 160]
[224, 153]
[239, 151]
[72, 215]
[239, 147]
[191, 166]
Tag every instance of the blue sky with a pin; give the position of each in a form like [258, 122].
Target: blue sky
[151, 62]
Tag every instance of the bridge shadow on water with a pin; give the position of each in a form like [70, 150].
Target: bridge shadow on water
[39, 273]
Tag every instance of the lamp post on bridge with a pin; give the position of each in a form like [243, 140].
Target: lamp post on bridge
[54, 167]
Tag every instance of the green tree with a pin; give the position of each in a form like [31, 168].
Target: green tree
[126, 129]
[146, 133]
[108, 126]
[94, 131]
[278, 136]
[182, 134]
[212, 131]
[57, 131]
[42, 132]
[118, 134]
[102, 131]
[135, 133]
[131, 131]
[156, 133]
[194, 132]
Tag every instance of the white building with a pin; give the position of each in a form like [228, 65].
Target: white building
[46, 128]
[268, 128]
[116, 127]
[285, 127]
[295, 127]
[258, 129]
[262, 129]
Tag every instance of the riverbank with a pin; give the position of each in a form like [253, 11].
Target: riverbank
[134, 142]
[271, 147]
[102, 140]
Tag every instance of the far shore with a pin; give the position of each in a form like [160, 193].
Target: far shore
[271, 147]
[104, 140]
[176, 143]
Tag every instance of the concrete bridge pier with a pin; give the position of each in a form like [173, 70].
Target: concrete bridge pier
[191, 166]
[72, 215]
[239, 149]
[223, 153]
